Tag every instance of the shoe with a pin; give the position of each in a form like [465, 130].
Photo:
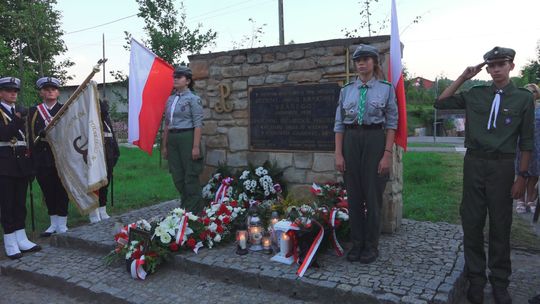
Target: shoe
[24, 244]
[103, 213]
[369, 256]
[10, 244]
[521, 207]
[501, 296]
[93, 216]
[52, 228]
[61, 224]
[475, 294]
[535, 299]
[532, 206]
[354, 254]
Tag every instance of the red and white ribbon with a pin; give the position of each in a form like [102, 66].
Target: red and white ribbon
[335, 242]
[44, 113]
[182, 230]
[312, 251]
[221, 193]
[137, 270]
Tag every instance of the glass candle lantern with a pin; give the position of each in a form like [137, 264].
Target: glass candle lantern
[241, 242]
[255, 233]
[267, 244]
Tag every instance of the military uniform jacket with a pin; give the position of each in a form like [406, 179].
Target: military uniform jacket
[515, 118]
[186, 111]
[112, 151]
[380, 106]
[14, 160]
[40, 152]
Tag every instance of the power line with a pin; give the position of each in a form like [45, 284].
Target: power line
[100, 25]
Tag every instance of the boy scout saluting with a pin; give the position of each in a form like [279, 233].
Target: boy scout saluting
[497, 115]
[15, 168]
[54, 193]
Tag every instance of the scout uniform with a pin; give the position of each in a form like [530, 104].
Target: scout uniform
[184, 112]
[112, 153]
[54, 193]
[495, 118]
[363, 113]
[15, 169]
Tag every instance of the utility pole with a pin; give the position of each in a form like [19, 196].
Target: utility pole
[281, 31]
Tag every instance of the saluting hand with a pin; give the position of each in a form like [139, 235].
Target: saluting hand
[471, 71]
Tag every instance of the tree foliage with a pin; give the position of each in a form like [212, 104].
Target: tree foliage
[167, 31]
[31, 28]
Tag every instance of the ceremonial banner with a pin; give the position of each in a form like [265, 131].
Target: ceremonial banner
[76, 140]
[150, 84]
[395, 73]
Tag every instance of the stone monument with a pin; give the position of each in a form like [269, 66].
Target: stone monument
[278, 103]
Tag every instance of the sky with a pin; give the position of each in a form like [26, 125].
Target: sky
[449, 36]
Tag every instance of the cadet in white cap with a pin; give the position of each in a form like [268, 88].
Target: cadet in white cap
[366, 120]
[54, 193]
[15, 169]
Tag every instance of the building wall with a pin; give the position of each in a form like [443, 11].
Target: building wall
[225, 134]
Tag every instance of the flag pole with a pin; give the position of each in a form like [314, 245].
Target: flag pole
[73, 97]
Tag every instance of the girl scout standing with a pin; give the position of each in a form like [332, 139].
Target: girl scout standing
[366, 120]
[181, 140]
[15, 168]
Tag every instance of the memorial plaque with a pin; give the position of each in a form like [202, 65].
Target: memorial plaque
[293, 117]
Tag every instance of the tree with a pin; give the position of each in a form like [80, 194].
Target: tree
[168, 35]
[30, 38]
[530, 73]
[248, 41]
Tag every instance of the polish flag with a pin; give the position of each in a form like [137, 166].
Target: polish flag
[395, 73]
[150, 84]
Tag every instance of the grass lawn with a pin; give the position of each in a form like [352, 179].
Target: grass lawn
[432, 192]
[435, 145]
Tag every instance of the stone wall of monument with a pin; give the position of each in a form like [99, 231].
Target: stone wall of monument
[224, 80]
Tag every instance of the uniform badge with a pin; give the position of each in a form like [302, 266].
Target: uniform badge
[183, 108]
[508, 120]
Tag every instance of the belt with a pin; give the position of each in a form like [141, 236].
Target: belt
[107, 134]
[490, 155]
[180, 130]
[18, 143]
[365, 127]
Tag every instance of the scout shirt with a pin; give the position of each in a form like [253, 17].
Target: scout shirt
[380, 107]
[184, 111]
[514, 120]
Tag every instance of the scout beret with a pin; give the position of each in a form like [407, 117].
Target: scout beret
[364, 50]
[48, 82]
[10, 83]
[499, 54]
[182, 70]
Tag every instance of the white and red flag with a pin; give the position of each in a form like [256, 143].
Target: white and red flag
[150, 84]
[395, 73]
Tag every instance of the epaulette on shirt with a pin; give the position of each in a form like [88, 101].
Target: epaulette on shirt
[481, 86]
[385, 82]
[524, 89]
[348, 84]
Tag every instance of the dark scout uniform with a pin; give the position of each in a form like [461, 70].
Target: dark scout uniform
[488, 172]
[15, 170]
[363, 147]
[54, 193]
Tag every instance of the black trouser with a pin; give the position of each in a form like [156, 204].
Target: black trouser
[13, 203]
[487, 185]
[103, 191]
[363, 150]
[53, 191]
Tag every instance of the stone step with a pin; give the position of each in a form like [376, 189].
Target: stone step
[83, 274]
[421, 263]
